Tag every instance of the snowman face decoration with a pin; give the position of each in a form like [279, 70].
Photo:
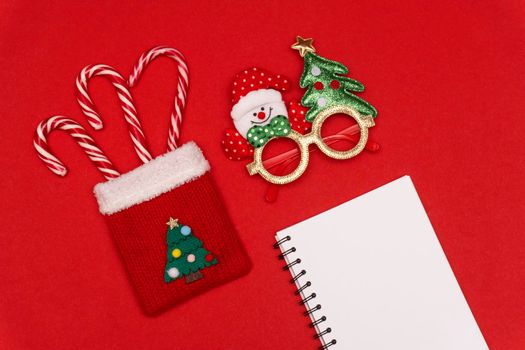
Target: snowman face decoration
[259, 116]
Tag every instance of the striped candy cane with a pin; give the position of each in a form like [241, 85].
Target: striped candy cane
[182, 86]
[81, 137]
[126, 101]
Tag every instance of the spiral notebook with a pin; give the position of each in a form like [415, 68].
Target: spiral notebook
[373, 276]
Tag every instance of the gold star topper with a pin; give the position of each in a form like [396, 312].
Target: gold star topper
[303, 45]
[173, 223]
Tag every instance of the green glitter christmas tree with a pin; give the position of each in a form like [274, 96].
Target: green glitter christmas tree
[326, 84]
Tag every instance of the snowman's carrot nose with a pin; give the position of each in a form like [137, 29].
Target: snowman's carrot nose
[261, 115]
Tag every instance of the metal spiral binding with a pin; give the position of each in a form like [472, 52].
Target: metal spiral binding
[304, 300]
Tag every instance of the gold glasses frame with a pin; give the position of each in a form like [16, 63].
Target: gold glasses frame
[314, 137]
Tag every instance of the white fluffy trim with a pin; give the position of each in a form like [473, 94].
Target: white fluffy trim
[152, 179]
[253, 99]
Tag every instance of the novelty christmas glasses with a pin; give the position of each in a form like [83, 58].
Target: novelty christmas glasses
[314, 137]
[329, 93]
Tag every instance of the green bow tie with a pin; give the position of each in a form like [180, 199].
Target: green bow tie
[258, 135]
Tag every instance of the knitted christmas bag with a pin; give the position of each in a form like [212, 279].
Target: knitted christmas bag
[171, 228]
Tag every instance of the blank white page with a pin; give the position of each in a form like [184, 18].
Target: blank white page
[381, 276]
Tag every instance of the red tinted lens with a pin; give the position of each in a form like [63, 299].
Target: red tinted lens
[340, 132]
[281, 156]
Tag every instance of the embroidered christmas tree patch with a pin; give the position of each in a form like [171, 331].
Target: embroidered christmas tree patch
[186, 255]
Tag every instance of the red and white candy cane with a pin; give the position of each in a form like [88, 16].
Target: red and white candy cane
[81, 137]
[182, 86]
[126, 102]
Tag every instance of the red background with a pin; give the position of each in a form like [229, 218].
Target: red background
[447, 78]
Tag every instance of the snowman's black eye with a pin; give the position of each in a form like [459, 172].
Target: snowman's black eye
[262, 108]
[254, 114]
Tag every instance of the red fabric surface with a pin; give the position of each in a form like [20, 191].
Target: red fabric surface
[140, 234]
[447, 79]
